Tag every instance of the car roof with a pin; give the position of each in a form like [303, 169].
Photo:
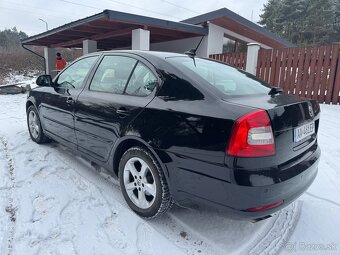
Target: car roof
[146, 54]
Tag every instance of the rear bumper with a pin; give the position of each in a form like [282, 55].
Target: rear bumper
[250, 189]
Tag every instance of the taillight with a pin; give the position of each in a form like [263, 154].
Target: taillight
[252, 136]
[265, 207]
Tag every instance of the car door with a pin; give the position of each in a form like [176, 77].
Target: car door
[57, 105]
[111, 101]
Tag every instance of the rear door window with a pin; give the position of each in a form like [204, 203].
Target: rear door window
[113, 74]
[142, 81]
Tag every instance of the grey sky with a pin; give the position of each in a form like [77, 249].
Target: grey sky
[24, 14]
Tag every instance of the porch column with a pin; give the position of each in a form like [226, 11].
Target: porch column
[89, 46]
[140, 39]
[215, 39]
[50, 57]
[252, 55]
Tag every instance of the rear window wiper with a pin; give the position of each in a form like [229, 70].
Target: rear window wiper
[275, 91]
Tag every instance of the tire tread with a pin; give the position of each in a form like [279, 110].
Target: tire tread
[42, 138]
[166, 200]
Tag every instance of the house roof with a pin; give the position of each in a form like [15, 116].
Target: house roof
[112, 29]
[236, 23]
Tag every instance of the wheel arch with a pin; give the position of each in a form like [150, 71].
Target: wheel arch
[30, 101]
[128, 142]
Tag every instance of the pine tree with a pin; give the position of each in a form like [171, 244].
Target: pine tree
[11, 37]
[270, 14]
[290, 18]
[303, 22]
[319, 20]
[336, 23]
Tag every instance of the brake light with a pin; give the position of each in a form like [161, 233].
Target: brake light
[265, 207]
[252, 136]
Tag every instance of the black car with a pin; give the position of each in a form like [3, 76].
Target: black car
[177, 128]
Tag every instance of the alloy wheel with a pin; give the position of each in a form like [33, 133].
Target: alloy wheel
[33, 124]
[139, 183]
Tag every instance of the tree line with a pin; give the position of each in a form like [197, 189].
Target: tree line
[11, 37]
[16, 60]
[303, 22]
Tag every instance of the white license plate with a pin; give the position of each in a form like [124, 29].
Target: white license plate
[303, 131]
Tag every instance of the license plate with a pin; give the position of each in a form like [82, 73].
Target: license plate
[303, 131]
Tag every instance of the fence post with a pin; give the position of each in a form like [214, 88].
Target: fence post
[252, 55]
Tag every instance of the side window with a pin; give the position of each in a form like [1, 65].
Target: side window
[142, 81]
[112, 74]
[75, 74]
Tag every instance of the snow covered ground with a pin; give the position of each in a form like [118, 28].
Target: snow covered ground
[54, 202]
[27, 78]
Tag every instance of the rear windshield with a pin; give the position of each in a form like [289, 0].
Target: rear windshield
[228, 80]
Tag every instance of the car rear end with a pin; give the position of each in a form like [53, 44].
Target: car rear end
[272, 152]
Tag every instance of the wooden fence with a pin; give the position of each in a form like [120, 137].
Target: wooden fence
[237, 59]
[312, 72]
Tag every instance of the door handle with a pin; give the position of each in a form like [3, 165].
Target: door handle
[122, 112]
[69, 101]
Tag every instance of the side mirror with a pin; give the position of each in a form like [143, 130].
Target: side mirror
[44, 80]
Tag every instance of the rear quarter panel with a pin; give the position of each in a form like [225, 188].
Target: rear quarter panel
[189, 130]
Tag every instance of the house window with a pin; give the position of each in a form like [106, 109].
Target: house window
[231, 45]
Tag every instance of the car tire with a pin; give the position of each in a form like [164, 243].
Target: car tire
[143, 183]
[34, 126]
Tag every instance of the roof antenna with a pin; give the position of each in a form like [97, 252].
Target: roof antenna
[192, 52]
